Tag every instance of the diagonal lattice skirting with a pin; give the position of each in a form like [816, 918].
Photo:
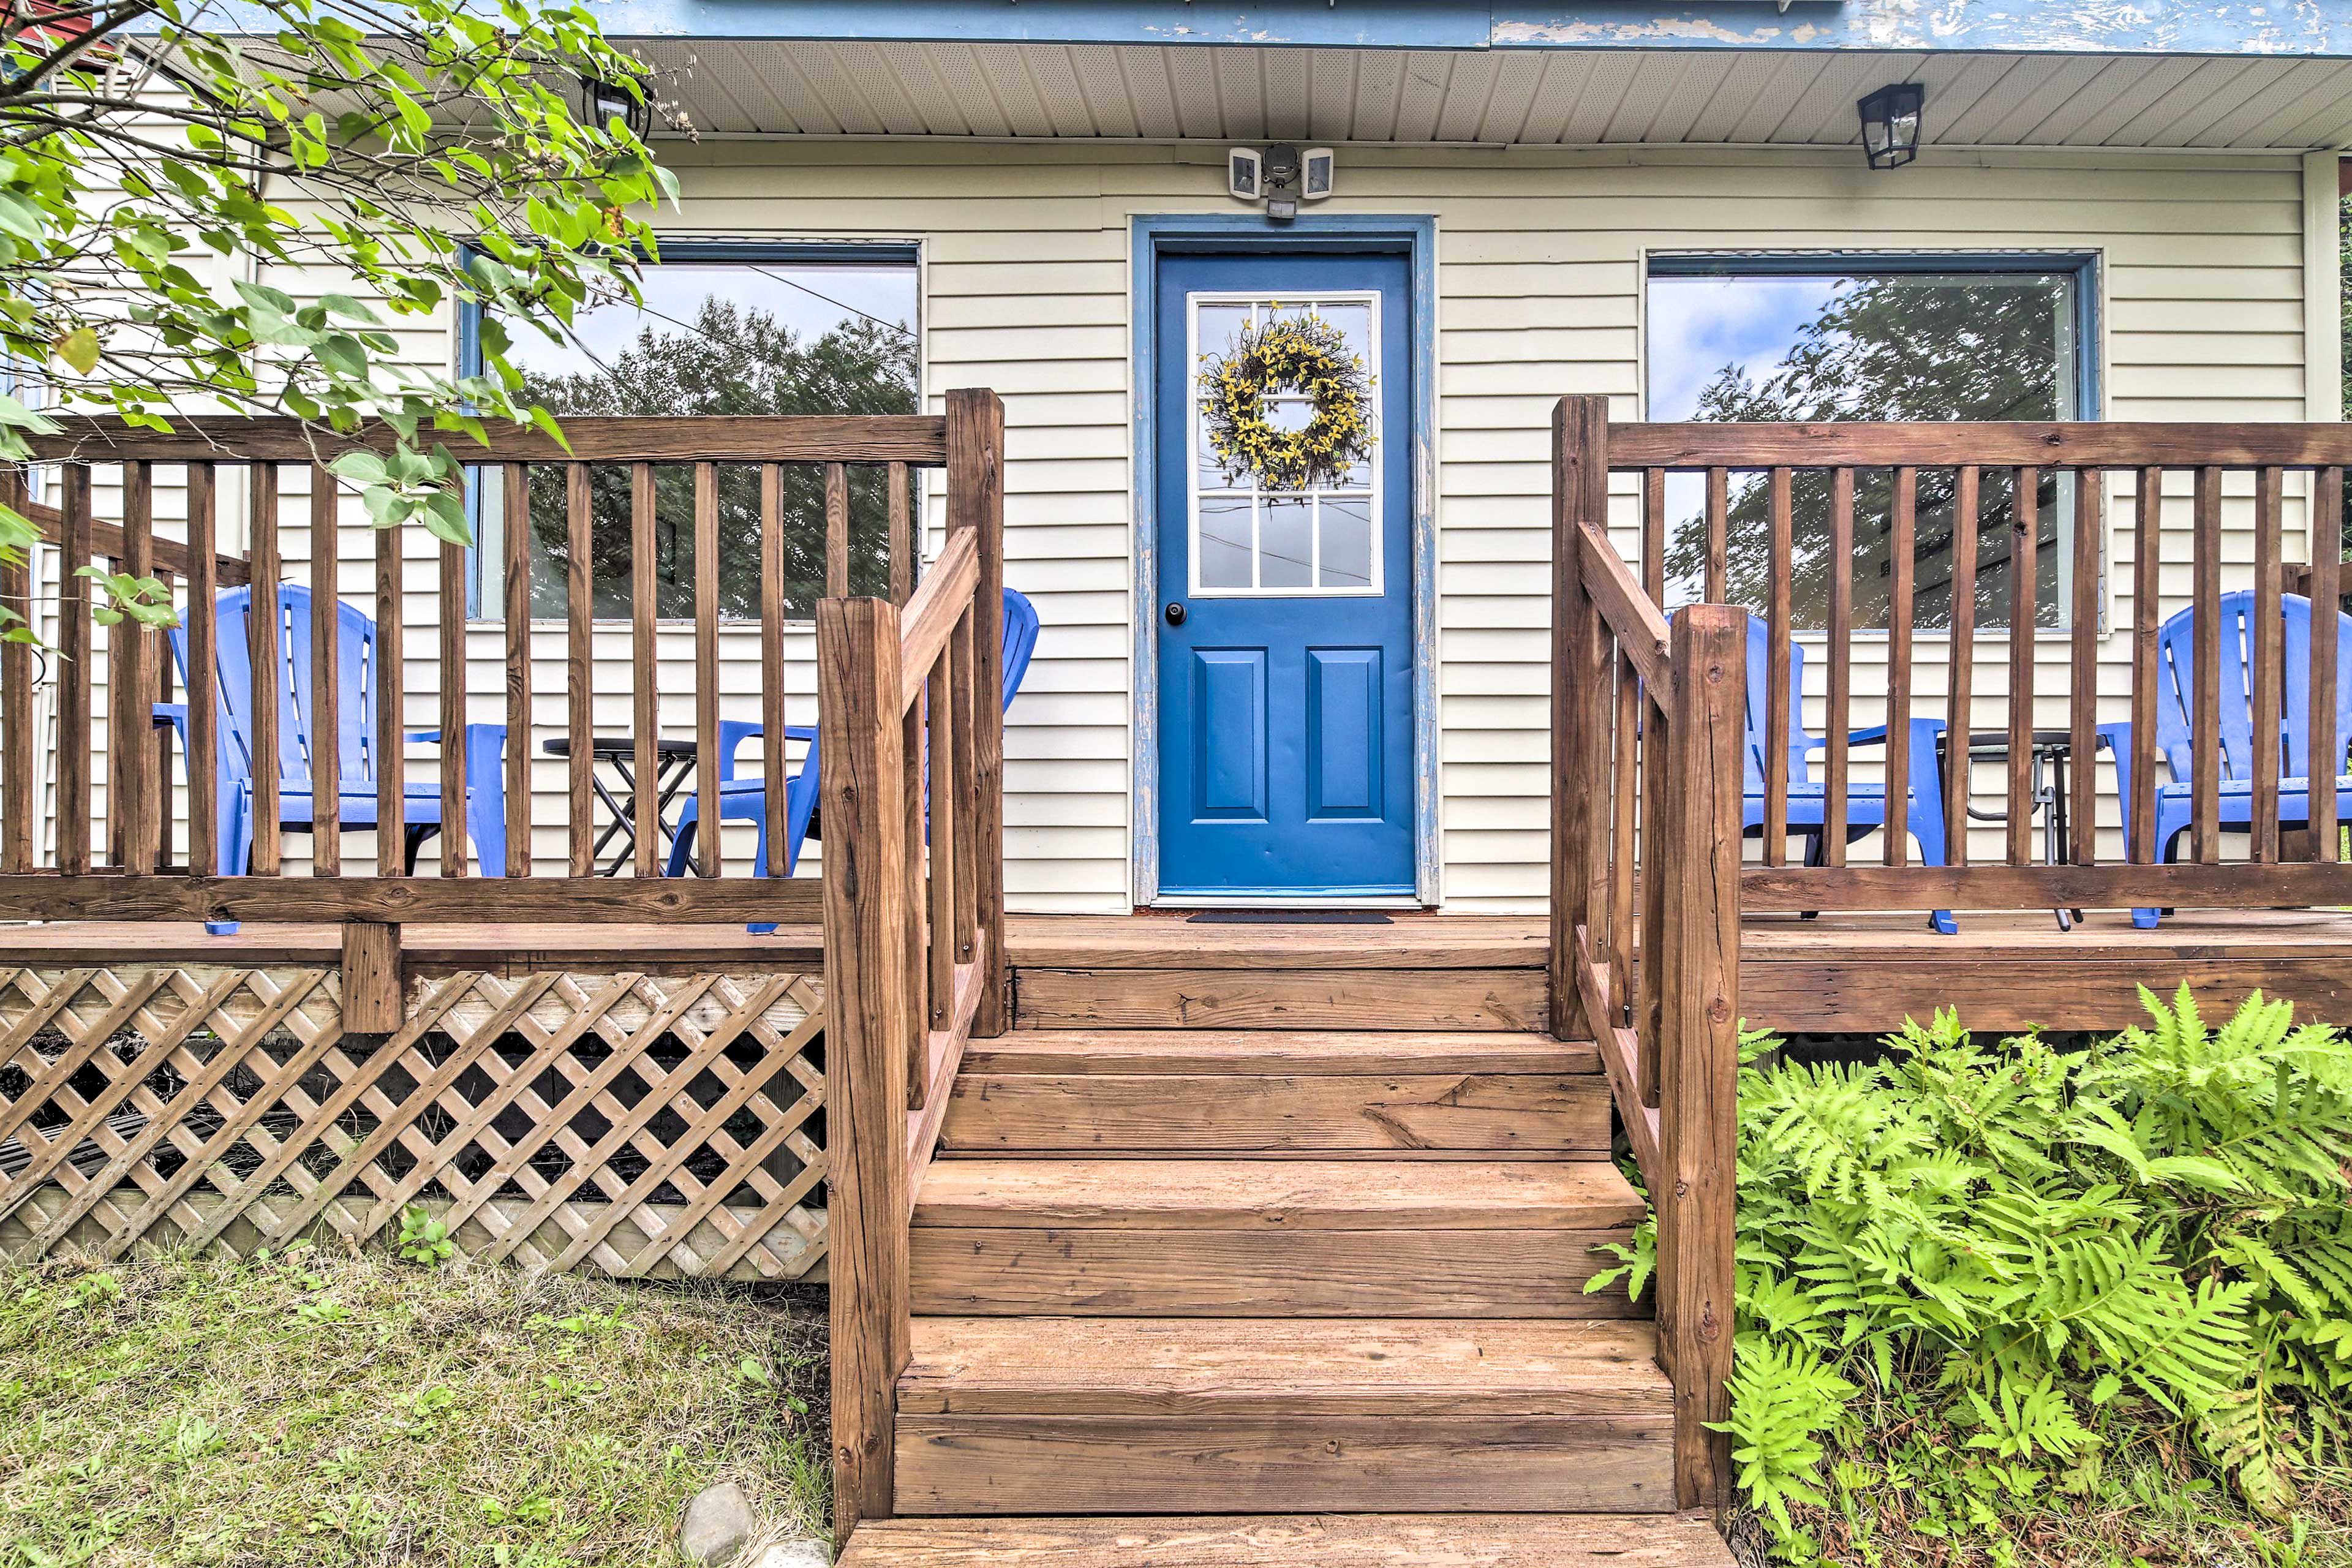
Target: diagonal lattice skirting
[634, 1124]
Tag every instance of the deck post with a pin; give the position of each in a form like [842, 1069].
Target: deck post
[1580, 489]
[1700, 1044]
[975, 480]
[871, 993]
[371, 997]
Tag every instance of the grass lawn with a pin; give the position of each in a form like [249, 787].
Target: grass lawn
[327, 1406]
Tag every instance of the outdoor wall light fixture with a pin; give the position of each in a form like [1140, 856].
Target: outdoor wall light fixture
[1281, 176]
[1890, 125]
[602, 102]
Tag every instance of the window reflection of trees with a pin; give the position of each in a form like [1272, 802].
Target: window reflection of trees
[1899, 347]
[728, 361]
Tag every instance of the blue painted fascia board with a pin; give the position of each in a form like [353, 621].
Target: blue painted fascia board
[2308, 28]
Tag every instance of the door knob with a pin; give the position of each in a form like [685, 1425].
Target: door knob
[1175, 613]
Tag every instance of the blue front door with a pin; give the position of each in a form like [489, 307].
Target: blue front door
[1285, 616]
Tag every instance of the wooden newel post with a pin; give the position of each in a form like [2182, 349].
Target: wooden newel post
[975, 474]
[1699, 1039]
[1579, 494]
[871, 994]
[372, 988]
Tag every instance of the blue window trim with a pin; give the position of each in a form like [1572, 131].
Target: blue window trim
[2082, 266]
[879, 253]
[1414, 238]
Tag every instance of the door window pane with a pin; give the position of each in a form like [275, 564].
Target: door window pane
[731, 337]
[1250, 539]
[1868, 345]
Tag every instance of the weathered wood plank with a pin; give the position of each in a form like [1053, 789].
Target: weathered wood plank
[1513, 999]
[1276, 1540]
[1111, 1464]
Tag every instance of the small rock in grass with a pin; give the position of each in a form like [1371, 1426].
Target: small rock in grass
[797, 1555]
[717, 1521]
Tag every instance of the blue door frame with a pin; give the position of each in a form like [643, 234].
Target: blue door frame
[1412, 239]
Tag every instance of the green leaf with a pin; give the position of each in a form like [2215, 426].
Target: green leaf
[78, 349]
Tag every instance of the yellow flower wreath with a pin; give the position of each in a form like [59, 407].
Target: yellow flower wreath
[1297, 353]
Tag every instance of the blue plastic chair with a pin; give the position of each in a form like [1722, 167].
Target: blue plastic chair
[1808, 799]
[485, 812]
[2290, 730]
[746, 799]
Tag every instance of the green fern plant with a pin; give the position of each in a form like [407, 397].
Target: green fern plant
[1968, 1271]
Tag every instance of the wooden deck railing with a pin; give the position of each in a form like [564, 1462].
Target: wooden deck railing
[1646, 733]
[1651, 799]
[137, 872]
[914, 923]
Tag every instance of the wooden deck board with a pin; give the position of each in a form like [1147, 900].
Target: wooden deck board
[1327, 1541]
[1840, 973]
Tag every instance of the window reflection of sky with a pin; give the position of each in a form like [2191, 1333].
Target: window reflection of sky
[1698, 325]
[675, 291]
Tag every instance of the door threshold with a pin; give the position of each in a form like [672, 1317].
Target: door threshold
[1274, 903]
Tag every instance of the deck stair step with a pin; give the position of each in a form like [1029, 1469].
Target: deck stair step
[1296, 1541]
[1238, 1237]
[1422, 1095]
[1003, 1416]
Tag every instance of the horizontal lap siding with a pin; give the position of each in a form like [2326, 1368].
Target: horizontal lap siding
[1538, 271]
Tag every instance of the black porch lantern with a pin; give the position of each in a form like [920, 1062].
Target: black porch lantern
[1890, 125]
[602, 102]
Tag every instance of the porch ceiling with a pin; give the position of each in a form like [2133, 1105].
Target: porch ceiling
[1544, 97]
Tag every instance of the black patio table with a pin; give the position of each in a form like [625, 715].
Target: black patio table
[674, 762]
[2052, 752]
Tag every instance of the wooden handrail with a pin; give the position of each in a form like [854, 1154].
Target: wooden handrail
[919, 439]
[2108, 443]
[1658, 708]
[107, 539]
[913, 746]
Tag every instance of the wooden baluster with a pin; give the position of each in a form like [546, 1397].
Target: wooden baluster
[263, 656]
[517, 510]
[1901, 524]
[326, 679]
[1837, 722]
[1960, 703]
[644, 673]
[2269, 654]
[2205, 720]
[1657, 796]
[453, 709]
[964, 699]
[579, 666]
[2325, 763]
[15, 696]
[836, 531]
[1699, 1044]
[2147, 619]
[2083, 757]
[708, 762]
[160, 740]
[130, 706]
[1718, 506]
[940, 712]
[1624, 792]
[391, 704]
[1779, 695]
[74, 651]
[902, 536]
[1580, 489]
[910, 796]
[203, 670]
[2024, 556]
[1654, 534]
[976, 499]
[869, 995]
[772, 658]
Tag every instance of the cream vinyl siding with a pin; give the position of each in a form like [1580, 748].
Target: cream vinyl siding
[1540, 258]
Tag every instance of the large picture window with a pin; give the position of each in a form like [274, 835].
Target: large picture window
[1938, 338]
[724, 329]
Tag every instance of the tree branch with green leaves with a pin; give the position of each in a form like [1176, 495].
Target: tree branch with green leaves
[158, 159]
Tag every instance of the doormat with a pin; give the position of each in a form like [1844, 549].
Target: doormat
[1288, 918]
